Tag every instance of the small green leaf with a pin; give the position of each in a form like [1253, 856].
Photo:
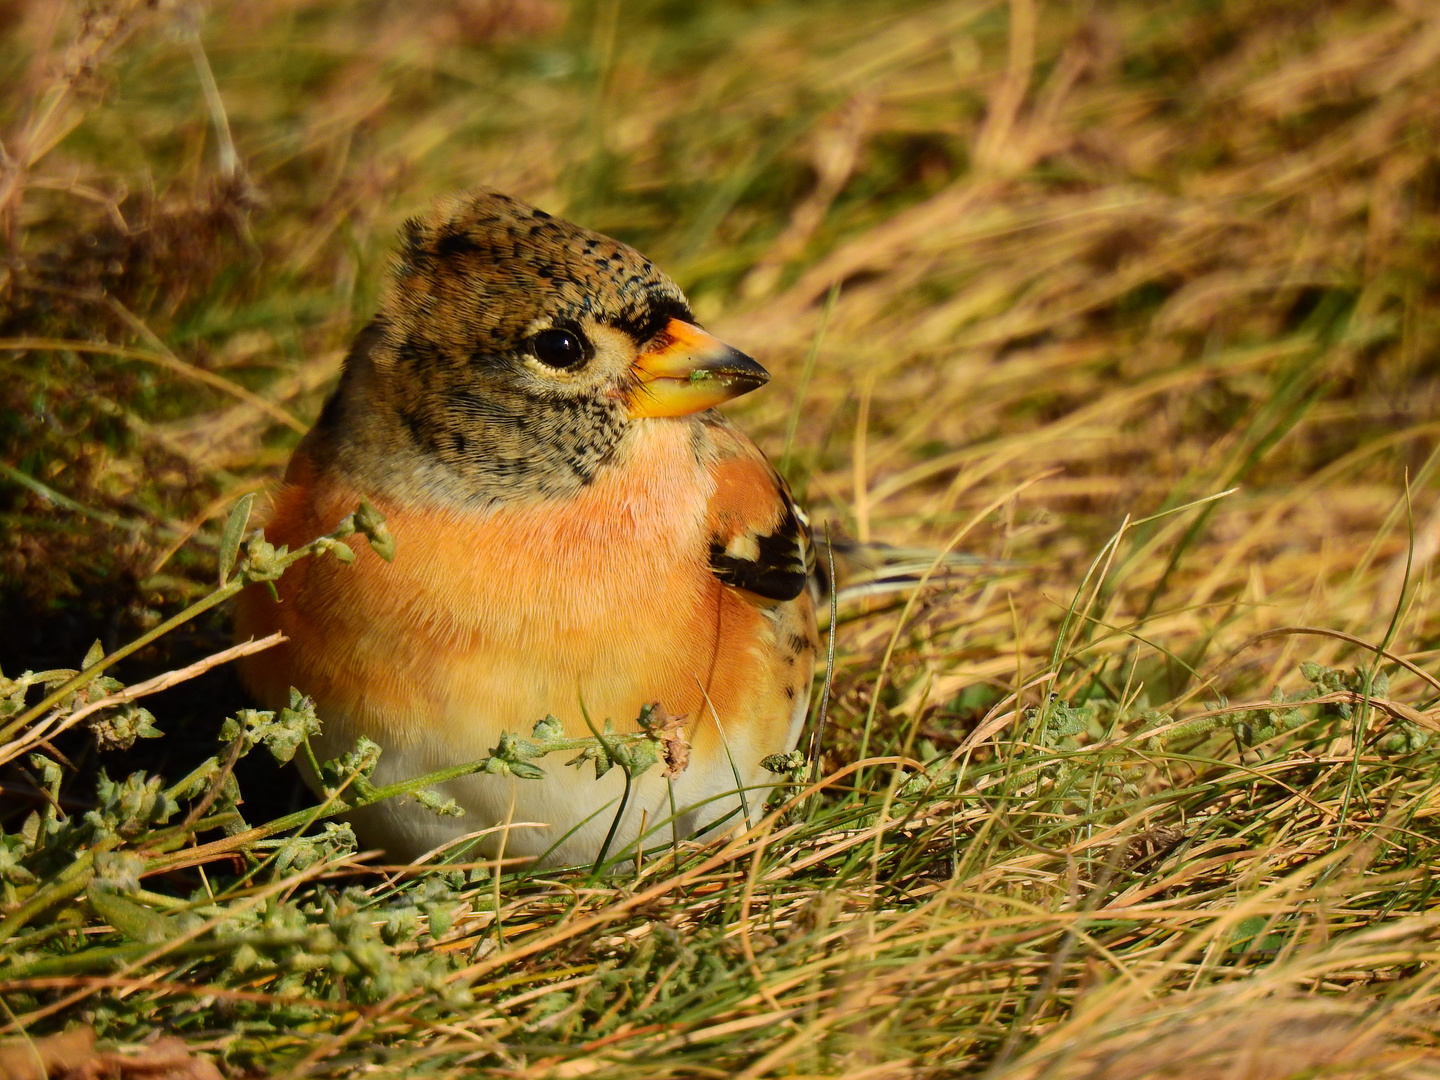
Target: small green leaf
[234, 532]
[136, 922]
[437, 804]
[526, 771]
[371, 523]
[263, 560]
[794, 764]
[337, 548]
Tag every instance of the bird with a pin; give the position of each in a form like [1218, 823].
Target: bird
[579, 535]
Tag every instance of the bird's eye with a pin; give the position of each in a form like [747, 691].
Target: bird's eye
[560, 348]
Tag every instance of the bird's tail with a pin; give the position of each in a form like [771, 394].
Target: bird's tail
[869, 569]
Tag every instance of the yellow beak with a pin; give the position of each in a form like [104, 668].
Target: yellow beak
[684, 370]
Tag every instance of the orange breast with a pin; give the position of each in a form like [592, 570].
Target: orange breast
[488, 620]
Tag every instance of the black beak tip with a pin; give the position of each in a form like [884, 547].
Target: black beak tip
[740, 366]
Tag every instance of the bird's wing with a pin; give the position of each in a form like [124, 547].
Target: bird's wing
[759, 539]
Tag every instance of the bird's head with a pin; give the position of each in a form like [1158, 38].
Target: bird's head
[516, 349]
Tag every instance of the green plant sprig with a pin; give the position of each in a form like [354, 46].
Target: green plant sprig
[347, 787]
[263, 562]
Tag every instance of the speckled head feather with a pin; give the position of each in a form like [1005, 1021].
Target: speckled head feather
[448, 382]
[475, 252]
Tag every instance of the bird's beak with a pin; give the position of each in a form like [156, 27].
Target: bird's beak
[684, 370]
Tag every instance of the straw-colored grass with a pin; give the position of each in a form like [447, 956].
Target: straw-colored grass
[1135, 301]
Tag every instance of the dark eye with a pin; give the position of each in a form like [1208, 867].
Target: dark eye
[559, 348]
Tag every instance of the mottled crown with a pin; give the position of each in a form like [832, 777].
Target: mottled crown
[476, 252]
[442, 397]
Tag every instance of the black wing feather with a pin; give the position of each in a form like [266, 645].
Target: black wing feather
[780, 570]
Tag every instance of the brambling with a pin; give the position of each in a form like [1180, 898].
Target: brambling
[579, 534]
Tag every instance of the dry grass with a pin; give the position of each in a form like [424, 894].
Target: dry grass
[1035, 280]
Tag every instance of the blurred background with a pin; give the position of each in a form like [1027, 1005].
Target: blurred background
[1027, 275]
